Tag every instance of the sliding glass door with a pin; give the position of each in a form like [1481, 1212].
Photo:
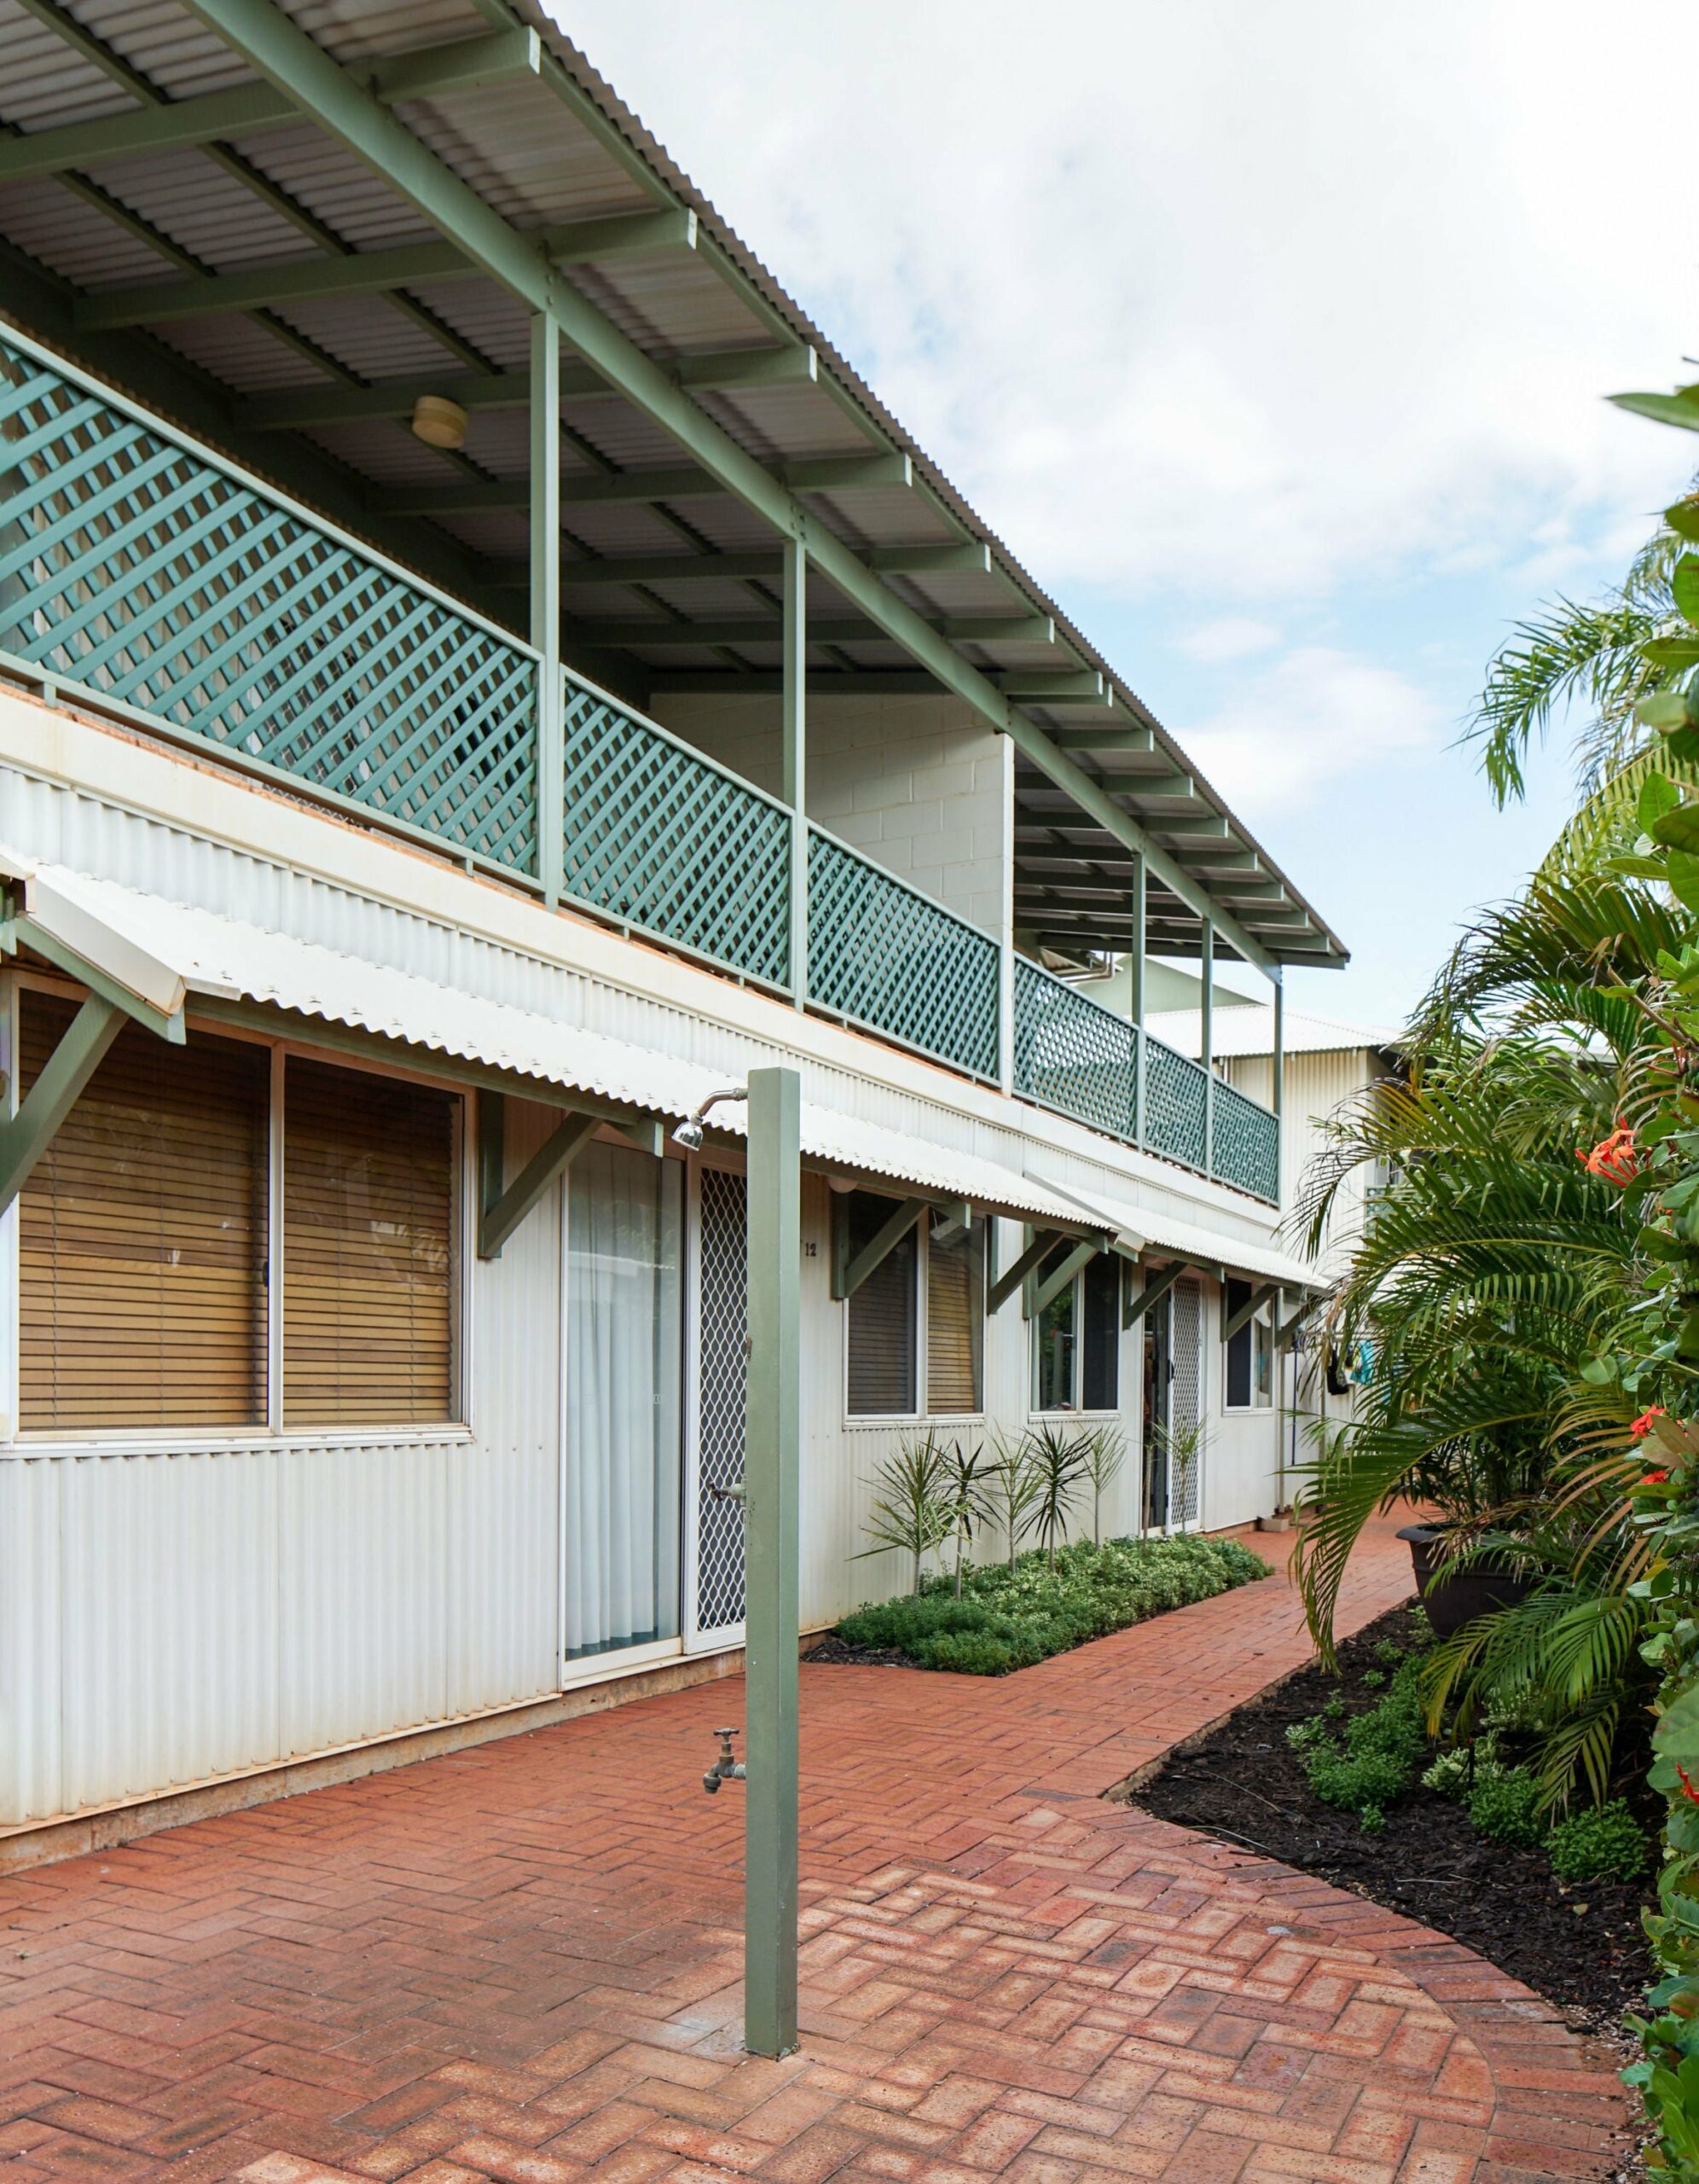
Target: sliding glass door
[624, 1406]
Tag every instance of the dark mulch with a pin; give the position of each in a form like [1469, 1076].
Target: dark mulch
[832, 1648]
[1580, 1946]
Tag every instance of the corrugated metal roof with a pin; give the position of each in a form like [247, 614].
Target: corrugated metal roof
[540, 149]
[1142, 1228]
[163, 951]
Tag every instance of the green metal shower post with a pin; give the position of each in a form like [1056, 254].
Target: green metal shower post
[1135, 998]
[1276, 1087]
[1206, 949]
[795, 737]
[772, 1426]
[545, 597]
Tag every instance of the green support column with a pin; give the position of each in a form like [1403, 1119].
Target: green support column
[1207, 1041]
[1136, 998]
[545, 594]
[772, 1426]
[795, 738]
[1277, 1083]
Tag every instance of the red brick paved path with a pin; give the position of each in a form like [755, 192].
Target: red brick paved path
[521, 1963]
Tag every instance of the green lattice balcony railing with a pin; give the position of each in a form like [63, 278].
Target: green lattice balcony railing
[658, 836]
[1074, 1055]
[1176, 1104]
[882, 955]
[142, 568]
[1247, 1138]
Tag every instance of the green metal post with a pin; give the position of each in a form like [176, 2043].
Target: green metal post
[794, 731]
[772, 1426]
[545, 596]
[1277, 1083]
[1136, 999]
[1207, 1023]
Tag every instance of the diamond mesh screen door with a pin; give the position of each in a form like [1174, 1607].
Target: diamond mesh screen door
[1185, 1486]
[722, 1277]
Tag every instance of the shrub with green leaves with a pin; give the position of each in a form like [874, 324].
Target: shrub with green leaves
[1010, 1617]
[1598, 1842]
[1383, 1749]
[1504, 1807]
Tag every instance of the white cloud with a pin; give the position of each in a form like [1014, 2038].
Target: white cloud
[1313, 718]
[1234, 638]
[1228, 300]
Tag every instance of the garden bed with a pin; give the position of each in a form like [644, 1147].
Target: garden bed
[1580, 1945]
[1011, 1618]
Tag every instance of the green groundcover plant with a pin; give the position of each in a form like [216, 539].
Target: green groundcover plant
[1009, 1617]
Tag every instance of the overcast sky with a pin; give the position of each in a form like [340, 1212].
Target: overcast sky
[1272, 339]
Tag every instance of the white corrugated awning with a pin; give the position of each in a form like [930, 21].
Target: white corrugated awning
[160, 953]
[1139, 1229]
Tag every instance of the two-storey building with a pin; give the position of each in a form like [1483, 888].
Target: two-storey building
[478, 672]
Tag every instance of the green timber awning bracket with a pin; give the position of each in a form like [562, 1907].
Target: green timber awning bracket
[25, 1135]
[501, 1210]
[126, 985]
[1156, 1286]
[1283, 1333]
[1248, 1311]
[1002, 1286]
[1036, 1294]
[849, 1272]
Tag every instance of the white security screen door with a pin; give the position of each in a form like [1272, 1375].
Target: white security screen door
[1185, 1393]
[716, 1563]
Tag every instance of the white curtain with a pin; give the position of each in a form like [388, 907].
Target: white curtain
[624, 1417]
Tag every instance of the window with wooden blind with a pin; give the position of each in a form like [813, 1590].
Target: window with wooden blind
[368, 1264]
[955, 1320]
[142, 1237]
[879, 1370]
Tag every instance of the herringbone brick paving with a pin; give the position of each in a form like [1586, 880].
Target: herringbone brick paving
[521, 1963]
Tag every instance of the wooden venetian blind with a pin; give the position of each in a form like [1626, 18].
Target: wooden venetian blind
[955, 1322]
[369, 1276]
[880, 1362]
[142, 1237]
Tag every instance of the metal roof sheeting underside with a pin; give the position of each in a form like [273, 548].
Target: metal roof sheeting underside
[548, 147]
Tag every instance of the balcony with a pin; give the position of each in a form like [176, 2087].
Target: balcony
[178, 592]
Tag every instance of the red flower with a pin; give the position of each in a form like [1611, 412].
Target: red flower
[1614, 1157]
[1687, 1788]
[1643, 1424]
[1655, 1479]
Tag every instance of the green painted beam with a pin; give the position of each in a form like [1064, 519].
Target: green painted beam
[847, 473]
[1037, 686]
[497, 1221]
[623, 235]
[823, 630]
[298, 280]
[279, 50]
[675, 482]
[1109, 742]
[25, 1135]
[724, 371]
[773, 1552]
[431, 72]
[1247, 1311]
[293, 409]
[848, 1273]
[960, 557]
[766, 682]
[764, 564]
[1039, 1293]
[1156, 1286]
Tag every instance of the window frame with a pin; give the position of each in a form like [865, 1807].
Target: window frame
[855, 1420]
[1119, 1338]
[1262, 1339]
[154, 1440]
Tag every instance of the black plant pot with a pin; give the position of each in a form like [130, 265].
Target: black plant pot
[1460, 1594]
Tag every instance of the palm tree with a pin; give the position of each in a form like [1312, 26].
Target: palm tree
[1605, 658]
